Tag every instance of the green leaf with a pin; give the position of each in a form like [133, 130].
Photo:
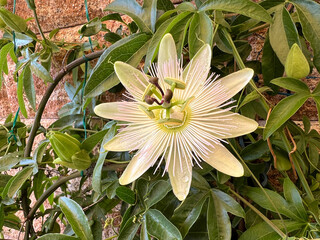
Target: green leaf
[200, 32]
[229, 204]
[130, 49]
[158, 192]
[270, 63]
[13, 21]
[308, 12]
[53, 32]
[56, 236]
[143, 16]
[143, 232]
[112, 16]
[253, 96]
[129, 230]
[40, 151]
[160, 227]
[188, 212]
[16, 182]
[292, 84]
[283, 34]
[255, 150]
[1, 215]
[89, 143]
[22, 39]
[3, 59]
[96, 176]
[66, 121]
[244, 7]
[263, 231]
[90, 28]
[293, 197]
[283, 111]
[218, 222]
[258, 196]
[40, 72]
[76, 217]
[112, 37]
[9, 160]
[126, 194]
[165, 5]
[165, 28]
[28, 85]
[4, 178]
[20, 94]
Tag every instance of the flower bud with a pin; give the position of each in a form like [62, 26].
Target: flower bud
[81, 160]
[64, 145]
[3, 3]
[283, 163]
[296, 65]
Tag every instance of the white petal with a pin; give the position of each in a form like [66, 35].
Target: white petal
[145, 158]
[222, 160]
[226, 124]
[122, 111]
[235, 82]
[138, 165]
[180, 176]
[132, 79]
[196, 72]
[121, 143]
[167, 51]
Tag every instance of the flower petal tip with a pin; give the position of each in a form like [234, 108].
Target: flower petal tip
[238, 172]
[181, 195]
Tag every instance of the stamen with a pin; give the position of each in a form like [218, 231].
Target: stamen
[155, 82]
[179, 84]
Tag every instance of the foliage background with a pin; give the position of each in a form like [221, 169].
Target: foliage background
[69, 16]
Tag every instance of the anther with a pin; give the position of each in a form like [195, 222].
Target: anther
[168, 96]
[155, 82]
[178, 83]
[150, 100]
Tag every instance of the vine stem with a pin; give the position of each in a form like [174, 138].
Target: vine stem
[36, 125]
[297, 167]
[62, 181]
[38, 25]
[46, 96]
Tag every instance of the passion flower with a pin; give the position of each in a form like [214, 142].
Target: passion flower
[177, 115]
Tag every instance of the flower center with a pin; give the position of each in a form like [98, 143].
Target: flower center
[168, 113]
[175, 119]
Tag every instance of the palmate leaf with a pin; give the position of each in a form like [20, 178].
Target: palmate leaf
[218, 222]
[283, 206]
